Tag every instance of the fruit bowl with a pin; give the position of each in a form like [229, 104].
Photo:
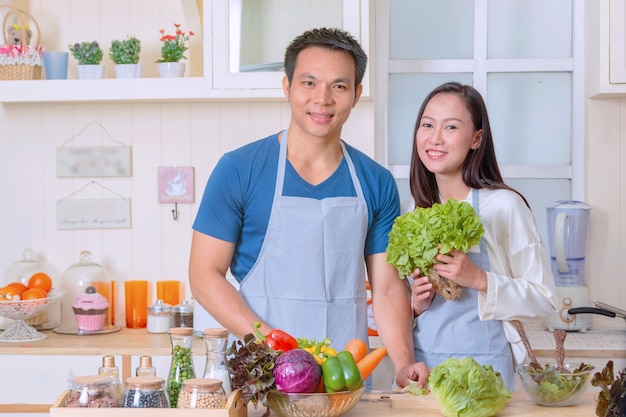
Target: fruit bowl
[21, 310]
[553, 388]
[314, 405]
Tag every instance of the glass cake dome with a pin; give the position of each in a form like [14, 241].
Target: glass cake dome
[74, 282]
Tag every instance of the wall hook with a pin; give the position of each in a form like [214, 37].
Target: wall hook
[175, 211]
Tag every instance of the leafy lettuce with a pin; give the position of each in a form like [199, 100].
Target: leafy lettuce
[464, 388]
[416, 237]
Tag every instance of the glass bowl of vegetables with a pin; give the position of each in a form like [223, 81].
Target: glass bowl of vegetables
[553, 386]
[315, 404]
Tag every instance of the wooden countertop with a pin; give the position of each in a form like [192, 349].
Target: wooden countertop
[122, 342]
[399, 405]
[610, 343]
[596, 343]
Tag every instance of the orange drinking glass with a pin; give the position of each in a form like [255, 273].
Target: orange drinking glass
[136, 295]
[169, 292]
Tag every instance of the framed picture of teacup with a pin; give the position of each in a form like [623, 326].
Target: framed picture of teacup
[176, 184]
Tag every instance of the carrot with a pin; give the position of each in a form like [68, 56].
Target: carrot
[371, 361]
[358, 348]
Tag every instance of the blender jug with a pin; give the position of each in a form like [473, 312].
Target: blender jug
[568, 230]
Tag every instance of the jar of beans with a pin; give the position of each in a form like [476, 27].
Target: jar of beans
[202, 393]
[94, 391]
[181, 369]
[145, 392]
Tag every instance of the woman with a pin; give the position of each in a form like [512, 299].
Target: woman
[508, 275]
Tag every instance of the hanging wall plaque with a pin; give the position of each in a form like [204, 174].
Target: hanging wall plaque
[93, 213]
[93, 161]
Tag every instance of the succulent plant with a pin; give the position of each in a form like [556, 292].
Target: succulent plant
[125, 51]
[87, 53]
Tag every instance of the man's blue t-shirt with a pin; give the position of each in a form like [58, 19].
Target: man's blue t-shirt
[238, 198]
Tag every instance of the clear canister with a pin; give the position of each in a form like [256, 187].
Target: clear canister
[159, 317]
[92, 391]
[182, 314]
[202, 393]
[145, 392]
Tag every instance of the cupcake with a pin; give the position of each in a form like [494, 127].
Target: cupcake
[90, 310]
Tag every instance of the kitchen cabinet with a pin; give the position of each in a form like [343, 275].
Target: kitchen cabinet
[251, 56]
[611, 71]
[220, 33]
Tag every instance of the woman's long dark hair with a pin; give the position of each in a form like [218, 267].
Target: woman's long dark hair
[480, 169]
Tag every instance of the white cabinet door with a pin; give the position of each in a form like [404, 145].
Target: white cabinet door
[617, 42]
[250, 37]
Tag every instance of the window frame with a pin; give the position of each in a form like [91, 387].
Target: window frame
[480, 67]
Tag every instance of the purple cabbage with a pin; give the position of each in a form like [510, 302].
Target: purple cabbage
[297, 371]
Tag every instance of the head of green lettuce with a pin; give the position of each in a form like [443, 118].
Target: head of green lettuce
[464, 388]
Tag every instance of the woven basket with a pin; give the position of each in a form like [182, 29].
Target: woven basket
[20, 62]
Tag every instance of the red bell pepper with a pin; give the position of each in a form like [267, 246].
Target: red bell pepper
[276, 339]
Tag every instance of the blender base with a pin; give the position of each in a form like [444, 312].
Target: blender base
[570, 297]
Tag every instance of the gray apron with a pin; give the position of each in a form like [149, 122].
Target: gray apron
[453, 329]
[309, 278]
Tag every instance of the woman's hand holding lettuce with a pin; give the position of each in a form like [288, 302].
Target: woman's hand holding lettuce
[418, 236]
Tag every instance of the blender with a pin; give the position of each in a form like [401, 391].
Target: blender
[568, 231]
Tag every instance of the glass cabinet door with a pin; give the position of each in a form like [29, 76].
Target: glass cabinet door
[250, 36]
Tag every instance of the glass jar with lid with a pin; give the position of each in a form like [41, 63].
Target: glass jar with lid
[21, 271]
[145, 392]
[159, 317]
[216, 366]
[182, 314]
[93, 391]
[201, 393]
[74, 282]
[181, 369]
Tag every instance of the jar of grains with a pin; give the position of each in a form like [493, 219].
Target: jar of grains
[93, 391]
[202, 393]
[145, 392]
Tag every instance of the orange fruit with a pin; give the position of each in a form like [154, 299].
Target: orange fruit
[40, 280]
[14, 288]
[33, 294]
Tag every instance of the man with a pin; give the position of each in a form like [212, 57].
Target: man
[300, 215]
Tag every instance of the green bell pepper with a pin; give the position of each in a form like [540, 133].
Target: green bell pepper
[340, 373]
[351, 372]
[332, 374]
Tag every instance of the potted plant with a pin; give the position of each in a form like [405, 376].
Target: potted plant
[125, 55]
[89, 55]
[172, 51]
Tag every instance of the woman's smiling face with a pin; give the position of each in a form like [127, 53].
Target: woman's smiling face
[445, 135]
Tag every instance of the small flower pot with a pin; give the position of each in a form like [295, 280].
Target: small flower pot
[90, 72]
[128, 70]
[171, 69]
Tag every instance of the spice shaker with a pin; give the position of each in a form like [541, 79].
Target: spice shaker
[145, 367]
[159, 317]
[145, 392]
[201, 393]
[182, 314]
[109, 369]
